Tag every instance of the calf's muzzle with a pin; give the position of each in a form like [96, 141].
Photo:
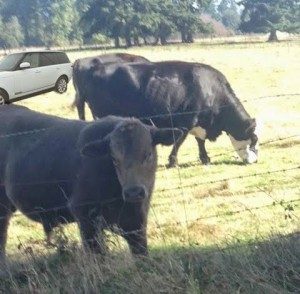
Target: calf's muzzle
[134, 194]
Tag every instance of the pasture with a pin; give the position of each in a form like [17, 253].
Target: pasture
[222, 228]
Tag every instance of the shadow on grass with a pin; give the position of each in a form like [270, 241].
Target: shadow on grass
[270, 266]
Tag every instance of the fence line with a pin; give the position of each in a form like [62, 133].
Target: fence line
[188, 221]
[117, 198]
[235, 150]
[260, 144]
[174, 114]
[162, 115]
[161, 190]
[232, 178]
[281, 203]
[53, 209]
[230, 213]
[273, 96]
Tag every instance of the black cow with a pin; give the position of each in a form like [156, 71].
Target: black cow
[194, 97]
[56, 171]
[84, 69]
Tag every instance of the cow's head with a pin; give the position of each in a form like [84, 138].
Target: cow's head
[246, 142]
[132, 148]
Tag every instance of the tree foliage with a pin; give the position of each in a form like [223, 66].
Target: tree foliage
[225, 11]
[42, 22]
[59, 23]
[144, 18]
[229, 14]
[270, 15]
[12, 35]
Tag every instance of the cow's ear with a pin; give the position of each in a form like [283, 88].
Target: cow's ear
[96, 148]
[165, 136]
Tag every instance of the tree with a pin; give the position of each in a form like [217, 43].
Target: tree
[228, 14]
[187, 18]
[12, 35]
[45, 22]
[212, 10]
[133, 19]
[153, 18]
[109, 17]
[262, 16]
[62, 23]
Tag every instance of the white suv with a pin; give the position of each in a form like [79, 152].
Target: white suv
[27, 74]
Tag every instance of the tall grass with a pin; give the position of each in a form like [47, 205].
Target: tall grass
[271, 266]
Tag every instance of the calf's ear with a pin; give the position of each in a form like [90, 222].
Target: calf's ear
[96, 148]
[165, 136]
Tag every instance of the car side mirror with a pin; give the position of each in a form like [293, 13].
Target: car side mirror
[24, 65]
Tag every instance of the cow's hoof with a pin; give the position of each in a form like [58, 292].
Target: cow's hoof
[205, 160]
[172, 162]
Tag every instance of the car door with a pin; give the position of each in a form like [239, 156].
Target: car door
[28, 80]
[49, 69]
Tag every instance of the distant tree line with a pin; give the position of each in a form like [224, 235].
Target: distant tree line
[57, 23]
[132, 22]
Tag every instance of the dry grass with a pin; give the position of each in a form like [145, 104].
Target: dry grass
[270, 266]
[210, 237]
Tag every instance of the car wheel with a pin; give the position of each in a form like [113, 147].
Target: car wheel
[3, 98]
[61, 85]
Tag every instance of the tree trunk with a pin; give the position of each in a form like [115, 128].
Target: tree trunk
[163, 40]
[128, 41]
[183, 37]
[136, 41]
[273, 36]
[190, 38]
[156, 41]
[117, 41]
[145, 40]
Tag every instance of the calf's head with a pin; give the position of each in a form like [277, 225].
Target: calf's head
[132, 149]
[246, 142]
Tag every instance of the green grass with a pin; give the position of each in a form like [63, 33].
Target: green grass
[210, 237]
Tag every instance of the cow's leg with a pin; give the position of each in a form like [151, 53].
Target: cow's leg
[202, 151]
[79, 102]
[6, 210]
[91, 232]
[48, 229]
[137, 241]
[4, 222]
[176, 146]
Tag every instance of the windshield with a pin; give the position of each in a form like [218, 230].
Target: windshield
[9, 62]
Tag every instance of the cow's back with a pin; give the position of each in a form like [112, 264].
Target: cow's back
[144, 90]
[36, 150]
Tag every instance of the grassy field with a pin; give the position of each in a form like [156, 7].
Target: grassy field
[212, 229]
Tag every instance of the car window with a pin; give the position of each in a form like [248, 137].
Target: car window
[10, 62]
[32, 58]
[48, 59]
[62, 58]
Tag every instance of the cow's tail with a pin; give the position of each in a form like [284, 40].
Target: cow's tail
[79, 104]
[79, 100]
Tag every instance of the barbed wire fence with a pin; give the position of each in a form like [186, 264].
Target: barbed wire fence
[286, 205]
